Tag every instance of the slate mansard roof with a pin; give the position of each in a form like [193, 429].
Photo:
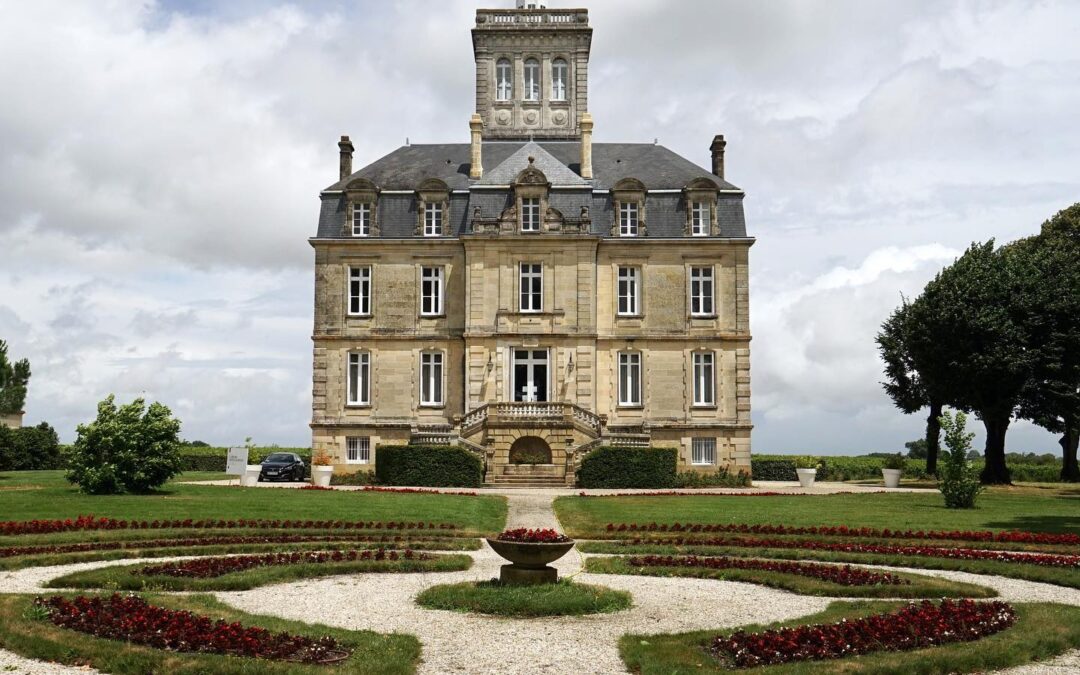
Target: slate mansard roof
[663, 172]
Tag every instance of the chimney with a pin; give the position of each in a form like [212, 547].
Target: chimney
[345, 167]
[476, 164]
[586, 124]
[717, 148]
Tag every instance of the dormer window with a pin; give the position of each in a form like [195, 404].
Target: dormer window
[504, 80]
[560, 72]
[432, 208]
[628, 219]
[629, 205]
[700, 195]
[530, 214]
[361, 220]
[362, 197]
[700, 219]
[532, 80]
[432, 220]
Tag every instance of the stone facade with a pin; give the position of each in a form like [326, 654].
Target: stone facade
[11, 420]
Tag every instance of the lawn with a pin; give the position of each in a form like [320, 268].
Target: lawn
[564, 598]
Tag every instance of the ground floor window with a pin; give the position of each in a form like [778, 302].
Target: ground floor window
[630, 378]
[703, 451]
[431, 379]
[357, 450]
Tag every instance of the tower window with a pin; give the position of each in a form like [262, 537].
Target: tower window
[532, 80]
[504, 80]
[559, 75]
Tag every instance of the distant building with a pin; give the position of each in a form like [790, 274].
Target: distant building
[531, 295]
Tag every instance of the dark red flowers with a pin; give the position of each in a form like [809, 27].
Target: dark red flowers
[205, 568]
[915, 626]
[131, 619]
[92, 523]
[416, 491]
[844, 575]
[538, 536]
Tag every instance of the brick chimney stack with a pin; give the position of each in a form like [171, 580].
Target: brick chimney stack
[717, 148]
[345, 167]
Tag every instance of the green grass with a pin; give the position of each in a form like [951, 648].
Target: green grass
[26, 495]
[564, 598]
[123, 578]
[1042, 631]
[39, 639]
[920, 587]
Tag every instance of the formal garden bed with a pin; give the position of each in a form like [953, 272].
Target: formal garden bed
[564, 598]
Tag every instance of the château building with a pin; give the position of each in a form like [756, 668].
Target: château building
[530, 295]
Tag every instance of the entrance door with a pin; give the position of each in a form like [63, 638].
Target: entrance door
[531, 375]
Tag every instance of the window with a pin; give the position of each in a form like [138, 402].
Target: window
[504, 80]
[361, 226]
[629, 291]
[359, 381]
[357, 450]
[700, 219]
[703, 379]
[628, 219]
[532, 80]
[431, 291]
[431, 375]
[532, 287]
[701, 291]
[359, 291]
[703, 451]
[559, 74]
[432, 219]
[530, 214]
[630, 378]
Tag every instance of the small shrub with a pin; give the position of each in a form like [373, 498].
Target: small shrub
[611, 467]
[894, 462]
[807, 462]
[958, 479]
[428, 466]
[355, 478]
[530, 457]
[722, 478]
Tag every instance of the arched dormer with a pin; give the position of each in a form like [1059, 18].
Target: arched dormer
[361, 208]
[628, 197]
[433, 208]
[531, 189]
[700, 197]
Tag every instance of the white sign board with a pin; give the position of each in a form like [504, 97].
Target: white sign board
[236, 464]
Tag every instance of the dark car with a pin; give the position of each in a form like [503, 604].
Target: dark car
[282, 466]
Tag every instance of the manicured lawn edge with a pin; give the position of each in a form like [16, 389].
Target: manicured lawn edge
[564, 598]
[121, 578]
[1043, 630]
[921, 587]
[40, 639]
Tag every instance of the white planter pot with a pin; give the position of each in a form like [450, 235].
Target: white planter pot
[806, 477]
[320, 475]
[892, 477]
[251, 475]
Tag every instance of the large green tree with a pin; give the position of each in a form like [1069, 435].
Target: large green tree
[14, 378]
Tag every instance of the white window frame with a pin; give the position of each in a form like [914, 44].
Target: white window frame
[630, 385]
[629, 219]
[361, 226]
[703, 451]
[531, 80]
[704, 372]
[432, 372]
[358, 290]
[504, 80]
[702, 279]
[628, 291]
[433, 219]
[358, 449]
[359, 395]
[530, 214]
[560, 76]
[431, 304]
[530, 300]
[700, 219]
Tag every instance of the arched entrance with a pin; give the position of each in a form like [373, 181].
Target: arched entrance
[530, 450]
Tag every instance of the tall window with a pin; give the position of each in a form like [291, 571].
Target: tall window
[530, 214]
[357, 449]
[532, 287]
[360, 291]
[703, 451]
[431, 378]
[629, 378]
[560, 73]
[629, 291]
[628, 219]
[700, 219]
[359, 380]
[431, 291]
[701, 291]
[432, 220]
[361, 226]
[532, 80]
[704, 384]
[504, 80]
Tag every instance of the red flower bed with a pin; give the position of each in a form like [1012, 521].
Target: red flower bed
[918, 625]
[1041, 559]
[92, 523]
[538, 536]
[316, 487]
[417, 491]
[1011, 537]
[132, 619]
[206, 568]
[690, 493]
[844, 575]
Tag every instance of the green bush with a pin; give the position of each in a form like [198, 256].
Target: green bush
[355, 478]
[958, 479]
[428, 466]
[894, 462]
[610, 467]
[722, 478]
[772, 469]
[29, 448]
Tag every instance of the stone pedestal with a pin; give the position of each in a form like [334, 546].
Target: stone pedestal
[513, 575]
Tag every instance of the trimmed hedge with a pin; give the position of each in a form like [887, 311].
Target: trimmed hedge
[29, 448]
[428, 466]
[193, 458]
[612, 467]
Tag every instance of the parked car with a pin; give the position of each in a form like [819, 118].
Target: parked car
[282, 466]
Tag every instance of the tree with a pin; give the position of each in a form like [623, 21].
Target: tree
[917, 449]
[14, 378]
[959, 484]
[131, 448]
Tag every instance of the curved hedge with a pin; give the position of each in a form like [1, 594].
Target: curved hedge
[428, 466]
[611, 467]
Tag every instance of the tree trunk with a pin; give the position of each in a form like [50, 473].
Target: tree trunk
[1070, 471]
[995, 472]
[933, 437]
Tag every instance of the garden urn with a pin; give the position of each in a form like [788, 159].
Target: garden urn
[529, 552]
[251, 475]
[806, 477]
[320, 475]
[892, 477]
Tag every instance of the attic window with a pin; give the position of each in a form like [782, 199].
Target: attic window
[530, 215]
[433, 220]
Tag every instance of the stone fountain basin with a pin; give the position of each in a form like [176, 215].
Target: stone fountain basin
[530, 555]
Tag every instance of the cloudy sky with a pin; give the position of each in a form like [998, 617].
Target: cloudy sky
[160, 165]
